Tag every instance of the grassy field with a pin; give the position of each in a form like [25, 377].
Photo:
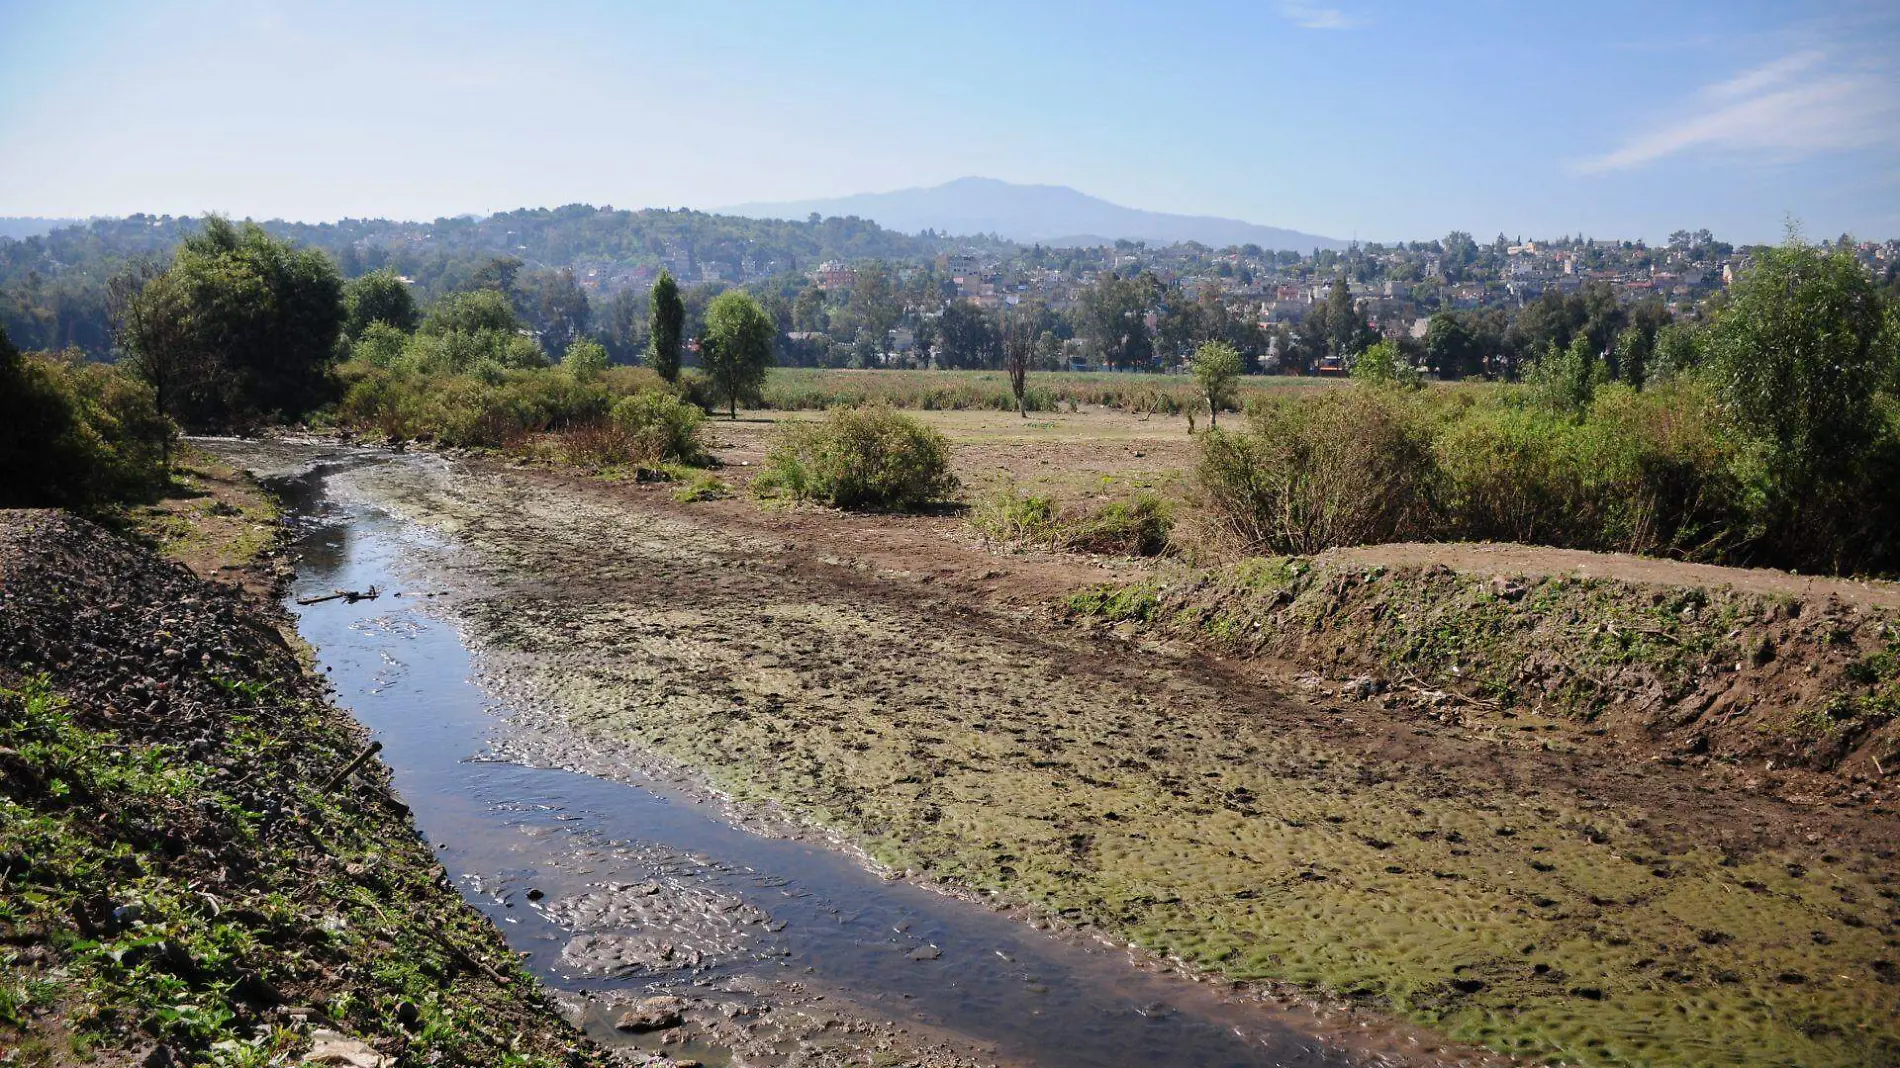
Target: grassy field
[795, 388]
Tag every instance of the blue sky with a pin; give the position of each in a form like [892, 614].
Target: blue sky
[1381, 120]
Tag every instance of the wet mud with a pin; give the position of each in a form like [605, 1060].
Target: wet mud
[1502, 896]
[619, 885]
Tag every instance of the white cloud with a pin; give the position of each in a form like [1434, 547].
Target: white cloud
[1317, 16]
[1795, 106]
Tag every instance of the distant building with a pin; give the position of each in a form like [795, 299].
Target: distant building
[834, 275]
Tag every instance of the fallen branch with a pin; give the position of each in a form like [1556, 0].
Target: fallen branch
[350, 768]
[352, 596]
[470, 959]
[1420, 687]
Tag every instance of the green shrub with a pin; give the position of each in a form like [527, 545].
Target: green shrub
[80, 435]
[585, 359]
[1138, 527]
[815, 389]
[1642, 472]
[1343, 467]
[1383, 364]
[1010, 516]
[660, 425]
[379, 345]
[869, 458]
[495, 408]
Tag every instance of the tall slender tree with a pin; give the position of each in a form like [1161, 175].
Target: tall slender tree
[1019, 348]
[666, 322]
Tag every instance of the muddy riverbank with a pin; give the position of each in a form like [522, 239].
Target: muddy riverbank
[623, 885]
[198, 864]
[1530, 899]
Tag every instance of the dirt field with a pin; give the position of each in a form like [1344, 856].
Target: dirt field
[898, 683]
[1091, 454]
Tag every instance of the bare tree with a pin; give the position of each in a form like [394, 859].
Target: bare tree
[1019, 348]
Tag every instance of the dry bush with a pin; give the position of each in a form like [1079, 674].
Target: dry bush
[1343, 467]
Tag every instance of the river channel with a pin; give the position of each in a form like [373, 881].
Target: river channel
[622, 888]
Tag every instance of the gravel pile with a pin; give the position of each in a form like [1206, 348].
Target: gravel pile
[142, 647]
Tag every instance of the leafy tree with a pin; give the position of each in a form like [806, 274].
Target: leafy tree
[808, 310]
[1630, 358]
[874, 302]
[264, 313]
[378, 297]
[1384, 364]
[1567, 379]
[1113, 315]
[585, 359]
[1674, 352]
[666, 326]
[1217, 367]
[1347, 323]
[1048, 351]
[471, 312]
[967, 338]
[498, 274]
[154, 331]
[1795, 360]
[736, 347]
[556, 308]
[1450, 348]
[624, 332]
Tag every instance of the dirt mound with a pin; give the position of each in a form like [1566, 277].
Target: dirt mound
[1703, 673]
[184, 869]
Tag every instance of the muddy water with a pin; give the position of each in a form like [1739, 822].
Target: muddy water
[618, 888]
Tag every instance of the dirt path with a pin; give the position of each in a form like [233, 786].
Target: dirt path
[1537, 560]
[892, 681]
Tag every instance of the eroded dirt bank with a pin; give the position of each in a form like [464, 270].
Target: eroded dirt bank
[1531, 897]
[187, 874]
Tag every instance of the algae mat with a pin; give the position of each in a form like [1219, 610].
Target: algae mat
[1249, 832]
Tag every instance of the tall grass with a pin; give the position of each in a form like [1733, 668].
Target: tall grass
[1136, 527]
[493, 408]
[816, 389]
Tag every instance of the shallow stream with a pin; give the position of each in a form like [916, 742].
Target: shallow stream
[631, 888]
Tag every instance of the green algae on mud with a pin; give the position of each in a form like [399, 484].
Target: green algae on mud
[1715, 672]
[1493, 893]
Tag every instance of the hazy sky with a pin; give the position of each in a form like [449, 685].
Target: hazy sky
[1381, 120]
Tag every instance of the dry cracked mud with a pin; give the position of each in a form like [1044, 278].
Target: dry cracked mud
[1526, 898]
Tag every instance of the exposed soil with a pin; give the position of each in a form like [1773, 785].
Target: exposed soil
[1536, 561]
[189, 876]
[216, 522]
[898, 683]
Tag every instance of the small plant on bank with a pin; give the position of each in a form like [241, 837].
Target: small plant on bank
[860, 458]
[1137, 527]
[1217, 367]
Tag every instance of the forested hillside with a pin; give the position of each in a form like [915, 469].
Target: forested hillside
[53, 288]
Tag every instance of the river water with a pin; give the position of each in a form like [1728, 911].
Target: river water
[573, 868]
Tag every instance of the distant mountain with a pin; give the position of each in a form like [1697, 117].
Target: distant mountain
[21, 227]
[1049, 214]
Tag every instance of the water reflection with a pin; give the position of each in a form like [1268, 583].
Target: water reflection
[607, 886]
